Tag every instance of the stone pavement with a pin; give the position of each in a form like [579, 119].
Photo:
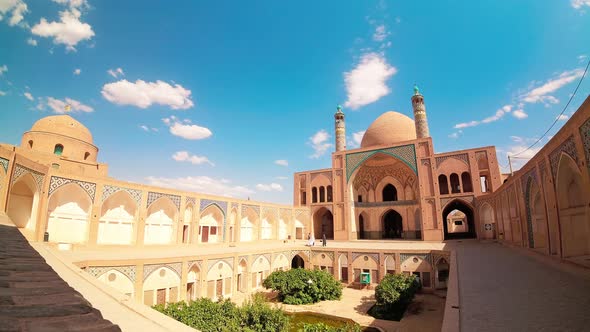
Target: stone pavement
[34, 298]
[507, 289]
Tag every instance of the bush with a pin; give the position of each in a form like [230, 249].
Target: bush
[321, 327]
[300, 286]
[393, 294]
[206, 315]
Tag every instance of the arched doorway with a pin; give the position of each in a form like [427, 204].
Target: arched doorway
[572, 197]
[442, 273]
[361, 230]
[392, 225]
[22, 203]
[454, 212]
[117, 219]
[69, 210]
[323, 223]
[389, 193]
[297, 262]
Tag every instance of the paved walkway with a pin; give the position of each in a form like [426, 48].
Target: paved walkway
[506, 289]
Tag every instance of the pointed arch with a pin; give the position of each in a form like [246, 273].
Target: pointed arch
[573, 197]
[268, 226]
[233, 230]
[118, 281]
[390, 264]
[211, 224]
[488, 222]
[117, 219]
[161, 286]
[281, 263]
[323, 221]
[249, 225]
[160, 224]
[343, 268]
[242, 276]
[193, 281]
[23, 202]
[69, 211]
[467, 219]
[219, 280]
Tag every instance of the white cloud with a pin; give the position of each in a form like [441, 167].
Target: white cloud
[3, 69]
[523, 157]
[29, 96]
[32, 42]
[578, 4]
[186, 129]
[65, 106]
[77, 71]
[466, 124]
[543, 93]
[282, 178]
[185, 156]
[144, 94]
[456, 134]
[2, 93]
[365, 83]
[562, 117]
[282, 162]
[148, 129]
[15, 8]
[72, 3]
[357, 137]
[201, 184]
[582, 57]
[380, 33]
[116, 72]
[269, 187]
[68, 31]
[319, 143]
[520, 114]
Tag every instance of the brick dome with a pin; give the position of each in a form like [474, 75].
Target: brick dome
[389, 128]
[63, 125]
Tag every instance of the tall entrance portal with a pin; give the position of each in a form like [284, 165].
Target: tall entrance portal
[392, 225]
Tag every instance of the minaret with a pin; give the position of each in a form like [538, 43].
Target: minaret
[420, 114]
[340, 129]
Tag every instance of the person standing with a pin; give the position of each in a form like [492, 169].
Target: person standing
[324, 240]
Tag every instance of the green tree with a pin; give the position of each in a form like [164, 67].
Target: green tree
[393, 294]
[300, 286]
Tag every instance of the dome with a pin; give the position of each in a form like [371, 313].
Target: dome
[389, 128]
[63, 125]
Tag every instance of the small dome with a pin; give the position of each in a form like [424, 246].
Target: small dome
[389, 128]
[63, 125]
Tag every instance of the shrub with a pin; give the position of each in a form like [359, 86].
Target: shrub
[206, 315]
[393, 294]
[321, 327]
[300, 286]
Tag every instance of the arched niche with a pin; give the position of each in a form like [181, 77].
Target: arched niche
[241, 275]
[233, 228]
[392, 225]
[193, 278]
[69, 210]
[186, 221]
[118, 281]
[300, 227]
[572, 196]
[389, 264]
[161, 286]
[267, 226]
[219, 281]
[283, 229]
[323, 222]
[343, 268]
[211, 225]
[392, 188]
[281, 263]
[249, 226]
[161, 221]
[117, 219]
[488, 222]
[23, 202]
[441, 273]
[536, 216]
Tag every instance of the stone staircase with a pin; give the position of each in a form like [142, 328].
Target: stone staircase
[33, 297]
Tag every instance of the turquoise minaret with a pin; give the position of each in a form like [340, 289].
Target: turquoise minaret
[340, 129]
[420, 120]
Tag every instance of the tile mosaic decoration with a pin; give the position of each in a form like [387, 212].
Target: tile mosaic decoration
[108, 191]
[206, 202]
[197, 263]
[153, 196]
[253, 207]
[464, 157]
[327, 253]
[568, 147]
[57, 182]
[4, 163]
[374, 256]
[21, 170]
[191, 200]
[97, 271]
[405, 153]
[425, 257]
[149, 268]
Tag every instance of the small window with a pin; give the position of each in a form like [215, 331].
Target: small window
[58, 150]
[303, 198]
[30, 144]
[360, 198]
[329, 193]
[458, 222]
[314, 195]
[86, 155]
[322, 194]
[213, 230]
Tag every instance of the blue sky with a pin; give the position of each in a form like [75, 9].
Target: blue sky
[233, 97]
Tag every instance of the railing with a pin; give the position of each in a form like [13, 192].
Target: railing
[388, 203]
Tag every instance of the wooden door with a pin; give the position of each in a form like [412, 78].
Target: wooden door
[219, 289]
[205, 234]
[161, 296]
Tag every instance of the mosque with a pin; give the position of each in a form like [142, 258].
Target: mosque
[162, 245]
